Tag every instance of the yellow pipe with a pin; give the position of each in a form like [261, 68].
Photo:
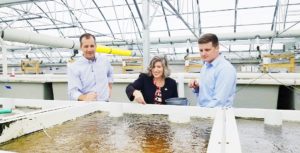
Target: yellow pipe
[115, 51]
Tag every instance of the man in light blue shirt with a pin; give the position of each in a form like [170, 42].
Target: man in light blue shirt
[217, 83]
[90, 77]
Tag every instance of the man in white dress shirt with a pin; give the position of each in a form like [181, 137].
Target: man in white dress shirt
[90, 77]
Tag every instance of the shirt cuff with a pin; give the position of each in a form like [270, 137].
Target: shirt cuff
[195, 90]
[76, 95]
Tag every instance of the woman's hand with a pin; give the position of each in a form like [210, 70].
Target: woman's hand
[138, 97]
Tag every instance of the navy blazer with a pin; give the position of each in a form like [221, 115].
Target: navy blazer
[145, 84]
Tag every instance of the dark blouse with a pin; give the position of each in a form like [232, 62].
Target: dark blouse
[145, 84]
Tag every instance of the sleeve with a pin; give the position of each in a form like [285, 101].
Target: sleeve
[174, 86]
[223, 89]
[197, 90]
[110, 72]
[136, 85]
[74, 84]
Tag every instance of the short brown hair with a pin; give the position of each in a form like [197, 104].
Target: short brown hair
[164, 63]
[209, 37]
[87, 36]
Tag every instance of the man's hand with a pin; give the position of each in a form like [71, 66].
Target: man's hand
[138, 97]
[91, 96]
[193, 84]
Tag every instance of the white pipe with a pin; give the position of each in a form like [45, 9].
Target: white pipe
[34, 38]
[29, 37]
[221, 36]
[230, 36]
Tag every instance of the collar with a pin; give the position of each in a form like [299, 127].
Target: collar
[215, 62]
[85, 60]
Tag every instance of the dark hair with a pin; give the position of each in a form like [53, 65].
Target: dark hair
[164, 63]
[209, 37]
[87, 36]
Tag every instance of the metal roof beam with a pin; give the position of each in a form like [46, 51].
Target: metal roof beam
[286, 12]
[155, 2]
[180, 17]
[98, 33]
[104, 18]
[5, 3]
[49, 19]
[72, 13]
[199, 18]
[235, 15]
[56, 27]
[187, 13]
[117, 19]
[21, 19]
[166, 20]
[134, 19]
[275, 15]
[22, 16]
[139, 13]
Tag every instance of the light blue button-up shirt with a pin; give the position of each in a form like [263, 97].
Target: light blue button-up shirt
[86, 76]
[217, 84]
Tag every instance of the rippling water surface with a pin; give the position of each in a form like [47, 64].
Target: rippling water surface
[256, 137]
[131, 133]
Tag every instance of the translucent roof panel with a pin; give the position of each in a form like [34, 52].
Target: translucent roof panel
[159, 23]
[116, 22]
[69, 32]
[108, 13]
[293, 26]
[255, 16]
[256, 3]
[210, 18]
[163, 33]
[175, 23]
[180, 32]
[213, 5]
[221, 29]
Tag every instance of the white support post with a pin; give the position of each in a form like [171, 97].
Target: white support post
[224, 136]
[4, 58]
[232, 136]
[146, 34]
[215, 140]
[181, 85]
